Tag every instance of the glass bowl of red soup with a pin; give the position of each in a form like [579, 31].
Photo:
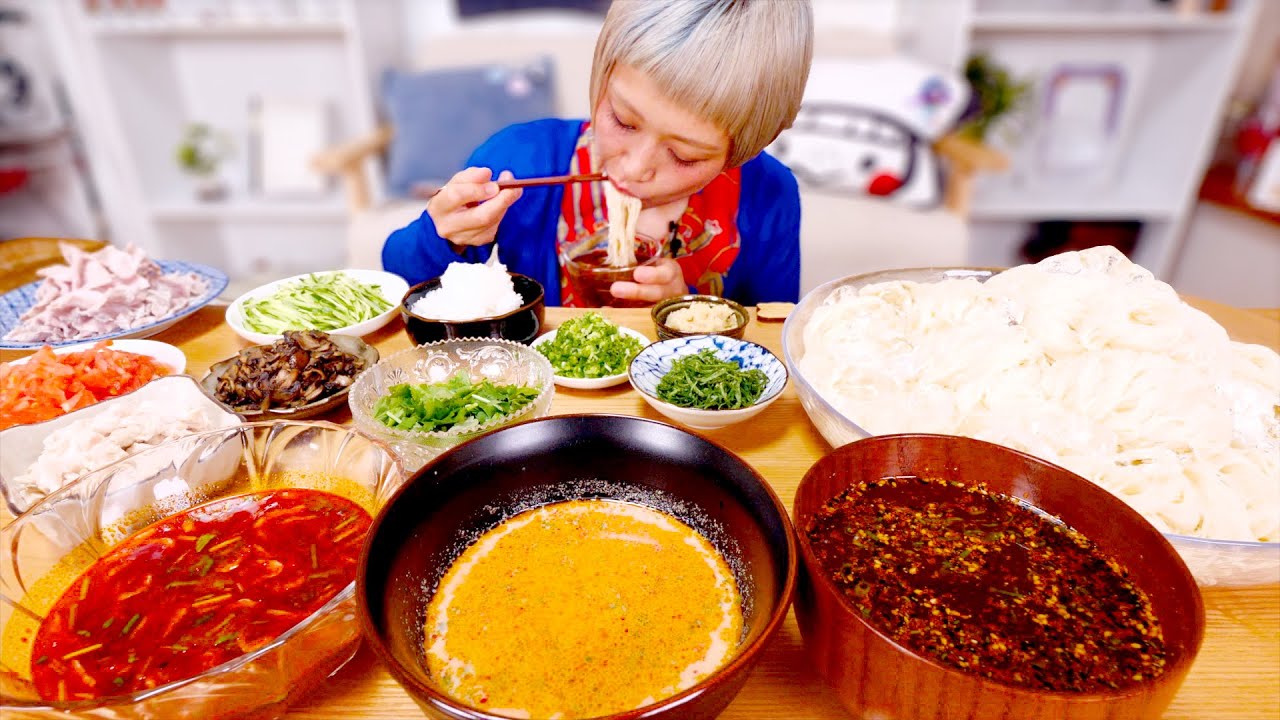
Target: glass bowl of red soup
[207, 577]
[590, 275]
[578, 566]
[947, 577]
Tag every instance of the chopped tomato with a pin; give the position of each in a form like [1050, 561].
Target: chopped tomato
[48, 385]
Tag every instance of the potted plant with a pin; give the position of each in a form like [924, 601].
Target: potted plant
[996, 96]
[200, 154]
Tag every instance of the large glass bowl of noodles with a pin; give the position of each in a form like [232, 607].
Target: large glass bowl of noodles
[1201, 466]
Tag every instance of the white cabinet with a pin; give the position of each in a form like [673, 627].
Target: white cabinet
[1175, 69]
[136, 79]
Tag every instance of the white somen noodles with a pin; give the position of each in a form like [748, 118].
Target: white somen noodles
[1085, 360]
[624, 214]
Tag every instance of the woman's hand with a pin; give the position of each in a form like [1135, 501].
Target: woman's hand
[655, 282]
[469, 207]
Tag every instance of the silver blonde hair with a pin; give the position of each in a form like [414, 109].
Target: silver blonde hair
[740, 64]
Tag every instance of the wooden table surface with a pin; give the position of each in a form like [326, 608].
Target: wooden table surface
[1235, 677]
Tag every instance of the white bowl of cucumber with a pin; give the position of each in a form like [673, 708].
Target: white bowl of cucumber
[344, 302]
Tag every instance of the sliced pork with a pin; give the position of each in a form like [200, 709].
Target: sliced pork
[103, 292]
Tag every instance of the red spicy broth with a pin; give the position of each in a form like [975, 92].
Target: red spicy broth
[195, 590]
[980, 582]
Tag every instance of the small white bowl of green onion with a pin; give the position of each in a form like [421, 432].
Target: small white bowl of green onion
[590, 352]
[345, 302]
[708, 381]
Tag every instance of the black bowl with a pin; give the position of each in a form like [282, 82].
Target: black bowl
[472, 488]
[522, 325]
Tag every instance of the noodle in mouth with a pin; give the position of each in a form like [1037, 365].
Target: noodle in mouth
[624, 214]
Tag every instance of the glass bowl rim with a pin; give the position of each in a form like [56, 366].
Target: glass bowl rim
[453, 432]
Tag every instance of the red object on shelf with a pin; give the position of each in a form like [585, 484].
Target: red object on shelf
[1219, 188]
[12, 178]
[1252, 139]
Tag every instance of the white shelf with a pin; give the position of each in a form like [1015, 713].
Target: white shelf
[222, 29]
[1078, 203]
[249, 210]
[1067, 21]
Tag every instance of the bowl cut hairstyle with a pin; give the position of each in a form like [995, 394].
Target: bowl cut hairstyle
[740, 64]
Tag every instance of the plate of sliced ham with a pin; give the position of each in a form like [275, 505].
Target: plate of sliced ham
[110, 293]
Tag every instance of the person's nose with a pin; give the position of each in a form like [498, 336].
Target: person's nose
[639, 163]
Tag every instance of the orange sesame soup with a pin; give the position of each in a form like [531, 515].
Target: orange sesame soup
[579, 609]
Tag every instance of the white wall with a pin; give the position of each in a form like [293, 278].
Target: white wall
[1263, 55]
[1231, 258]
[424, 18]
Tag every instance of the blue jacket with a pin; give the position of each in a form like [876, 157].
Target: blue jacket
[767, 267]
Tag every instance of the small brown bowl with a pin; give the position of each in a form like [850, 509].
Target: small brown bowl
[873, 676]
[665, 307]
[522, 325]
[475, 486]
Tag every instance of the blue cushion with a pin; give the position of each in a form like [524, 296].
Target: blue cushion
[441, 116]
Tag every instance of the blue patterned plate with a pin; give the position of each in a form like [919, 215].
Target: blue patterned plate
[654, 361]
[15, 302]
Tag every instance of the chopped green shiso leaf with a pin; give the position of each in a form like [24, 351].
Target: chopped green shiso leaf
[436, 407]
[705, 382]
[589, 346]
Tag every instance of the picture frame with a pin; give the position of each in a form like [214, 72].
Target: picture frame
[1082, 119]
[286, 133]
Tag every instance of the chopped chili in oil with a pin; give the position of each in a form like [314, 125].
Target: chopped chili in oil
[983, 583]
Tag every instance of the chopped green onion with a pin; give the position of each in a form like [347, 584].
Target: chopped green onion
[589, 346]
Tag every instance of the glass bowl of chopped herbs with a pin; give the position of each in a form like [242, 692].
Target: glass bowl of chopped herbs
[590, 352]
[426, 399]
[708, 381]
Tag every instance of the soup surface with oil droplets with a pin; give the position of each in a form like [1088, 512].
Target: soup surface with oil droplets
[579, 609]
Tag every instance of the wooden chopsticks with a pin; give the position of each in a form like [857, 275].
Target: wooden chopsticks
[536, 181]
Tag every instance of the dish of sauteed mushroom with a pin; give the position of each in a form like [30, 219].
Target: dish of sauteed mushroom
[306, 371]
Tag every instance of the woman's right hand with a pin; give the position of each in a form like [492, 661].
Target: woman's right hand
[469, 207]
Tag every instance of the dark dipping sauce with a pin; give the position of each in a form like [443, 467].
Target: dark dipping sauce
[591, 277]
[195, 590]
[983, 583]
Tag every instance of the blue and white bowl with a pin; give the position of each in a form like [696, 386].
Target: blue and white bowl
[655, 361]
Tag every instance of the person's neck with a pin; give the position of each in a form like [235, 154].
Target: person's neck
[655, 221]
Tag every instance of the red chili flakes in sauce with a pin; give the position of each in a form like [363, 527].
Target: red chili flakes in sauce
[980, 582]
[195, 590]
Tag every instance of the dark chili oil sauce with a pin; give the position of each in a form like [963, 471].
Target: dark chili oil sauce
[986, 584]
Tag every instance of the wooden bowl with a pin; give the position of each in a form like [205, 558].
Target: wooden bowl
[475, 486]
[874, 676]
[522, 325]
[664, 308]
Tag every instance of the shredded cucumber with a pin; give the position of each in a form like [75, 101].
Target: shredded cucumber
[319, 301]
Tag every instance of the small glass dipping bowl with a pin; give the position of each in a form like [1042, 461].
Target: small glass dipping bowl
[590, 278]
